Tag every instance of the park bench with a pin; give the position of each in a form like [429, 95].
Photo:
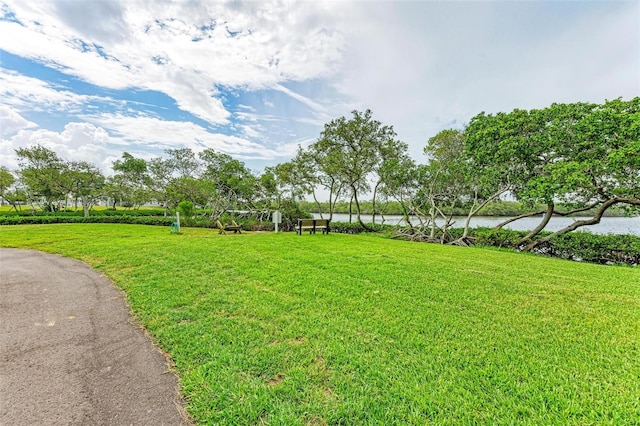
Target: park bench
[228, 227]
[312, 225]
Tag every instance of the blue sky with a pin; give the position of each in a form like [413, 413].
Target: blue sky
[92, 79]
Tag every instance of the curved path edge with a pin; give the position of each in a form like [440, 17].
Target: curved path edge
[70, 352]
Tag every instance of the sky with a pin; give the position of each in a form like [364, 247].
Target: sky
[256, 79]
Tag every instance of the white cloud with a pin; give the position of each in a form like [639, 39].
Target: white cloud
[162, 134]
[420, 66]
[28, 93]
[425, 66]
[315, 106]
[151, 45]
[77, 142]
[11, 121]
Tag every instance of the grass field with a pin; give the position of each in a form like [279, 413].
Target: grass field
[282, 329]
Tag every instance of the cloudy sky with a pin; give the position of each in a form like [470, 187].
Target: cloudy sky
[255, 79]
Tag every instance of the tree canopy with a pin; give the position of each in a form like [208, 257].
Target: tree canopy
[580, 156]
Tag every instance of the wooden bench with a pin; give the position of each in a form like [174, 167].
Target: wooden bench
[312, 225]
[228, 227]
[322, 224]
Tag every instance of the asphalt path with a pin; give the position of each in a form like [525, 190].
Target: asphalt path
[70, 353]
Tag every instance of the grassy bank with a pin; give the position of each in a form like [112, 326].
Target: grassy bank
[340, 329]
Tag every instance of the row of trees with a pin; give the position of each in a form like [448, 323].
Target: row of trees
[212, 180]
[583, 155]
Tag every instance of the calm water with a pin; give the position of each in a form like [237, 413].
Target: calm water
[608, 225]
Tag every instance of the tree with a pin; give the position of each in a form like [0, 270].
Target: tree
[41, 171]
[183, 161]
[231, 178]
[600, 167]
[6, 180]
[86, 182]
[306, 176]
[581, 154]
[323, 171]
[394, 158]
[161, 173]
[402, 182]
[131, 179]
[350, 150]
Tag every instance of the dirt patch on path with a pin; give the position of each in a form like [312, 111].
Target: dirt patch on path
[70, 353]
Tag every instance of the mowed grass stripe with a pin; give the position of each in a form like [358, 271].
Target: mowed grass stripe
[339, 329]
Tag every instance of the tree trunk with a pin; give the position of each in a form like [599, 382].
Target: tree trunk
[313, 193]
[475, 209]
[373, 204]
[513, 219]
[355, 198]
[85, 207]
[545, 220]
[579, 223]
[432, 214]
[331, 203]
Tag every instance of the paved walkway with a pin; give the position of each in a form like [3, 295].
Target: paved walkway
[69, 352]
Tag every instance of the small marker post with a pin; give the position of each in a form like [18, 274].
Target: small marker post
[277, 218]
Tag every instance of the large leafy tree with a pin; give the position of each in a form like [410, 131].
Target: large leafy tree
[600, 167]
[446, 180]
[86, 183]
[394, 157]
[234, 186]
[183, 162]
[349, 150]
[580, 154]
[131, 181]
[43, 174]
[324, 172]
[161, 174]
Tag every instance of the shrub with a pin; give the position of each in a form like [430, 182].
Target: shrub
[357, 228]
[497, 237]
[603, 249]
[186, 209]
[39, 220]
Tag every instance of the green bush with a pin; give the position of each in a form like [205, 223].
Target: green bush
[70, 213]
[39, 220]
[497, 237]
[603, 249]
[186, 209]
[357, 228]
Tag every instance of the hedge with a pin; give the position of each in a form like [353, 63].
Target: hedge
[609, 249]
[37, 220]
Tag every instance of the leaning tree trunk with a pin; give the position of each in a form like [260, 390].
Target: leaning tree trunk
[513, 219]
[535, 231]
[579, 223]
[315, 199]
[474, 210]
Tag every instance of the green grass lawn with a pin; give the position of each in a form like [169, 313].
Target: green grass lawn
[283, 329]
